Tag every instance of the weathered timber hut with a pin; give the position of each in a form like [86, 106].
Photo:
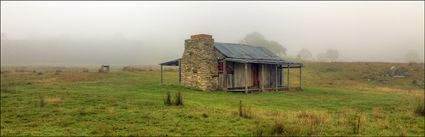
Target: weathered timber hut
[210, 65]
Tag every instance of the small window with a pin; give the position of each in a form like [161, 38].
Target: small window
[220, 67]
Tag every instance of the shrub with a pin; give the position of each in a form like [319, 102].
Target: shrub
[420, 107]
[178, 101]
[278, 128]
[167, 99]
[85, 70]
[132, 69]
[282, 128]
[205, 115]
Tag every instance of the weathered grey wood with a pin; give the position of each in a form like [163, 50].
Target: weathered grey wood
[280, 75]
[262, 77]
[276, 78]
[239, 75]
[161, 76]
[224, 75]
[246, 78]
[233, 75]
[300, 77]
[180, 72]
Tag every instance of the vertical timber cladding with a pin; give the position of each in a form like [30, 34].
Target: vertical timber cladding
[199, 63]
[239, 75]
[270, 76]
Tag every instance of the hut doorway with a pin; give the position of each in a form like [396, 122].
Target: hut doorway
[255, 73]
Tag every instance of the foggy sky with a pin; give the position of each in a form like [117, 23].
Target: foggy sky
[145, 33]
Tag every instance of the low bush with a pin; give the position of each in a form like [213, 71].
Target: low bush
[420, 107]
[178, 101]
[85, 70]
[132, 69]
[167, 99]
[278, 128]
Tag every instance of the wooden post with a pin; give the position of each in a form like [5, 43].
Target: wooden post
[161, 76]
[275, 83]
[246, 78]
[283, 76]
[262, 77]
[180, 72]
[224, 75]
[233, 76]
[300, 77]
[288, 76]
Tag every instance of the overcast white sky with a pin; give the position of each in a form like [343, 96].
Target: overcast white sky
[361, 30]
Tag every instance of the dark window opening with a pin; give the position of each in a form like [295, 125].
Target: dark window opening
[220, 67]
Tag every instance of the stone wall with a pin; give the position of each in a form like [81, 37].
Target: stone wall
[199, 63]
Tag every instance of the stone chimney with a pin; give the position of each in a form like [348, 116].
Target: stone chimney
[199, 63]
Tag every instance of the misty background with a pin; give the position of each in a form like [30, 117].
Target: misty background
[147, 33]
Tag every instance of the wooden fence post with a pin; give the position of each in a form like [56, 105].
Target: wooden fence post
[180, 72]
[161, 76]
[276, 78]
[289, 68]
[300, 77]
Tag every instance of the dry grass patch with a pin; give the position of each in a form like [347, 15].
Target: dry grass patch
[133, 69]
[378, 113]
[54, 100]
[110, 109]
[73, 77]
[49, 80]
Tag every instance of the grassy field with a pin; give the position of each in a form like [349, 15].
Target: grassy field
[337, 99]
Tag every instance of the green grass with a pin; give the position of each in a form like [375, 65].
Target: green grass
[131, 103]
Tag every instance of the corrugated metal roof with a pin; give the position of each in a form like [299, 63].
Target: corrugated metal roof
[244, 54]
[242, 51]
[174, 62]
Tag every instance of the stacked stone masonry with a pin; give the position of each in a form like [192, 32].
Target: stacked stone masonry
[199, 63]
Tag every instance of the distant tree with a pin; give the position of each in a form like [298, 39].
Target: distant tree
[305, 54]
[412, 56]
[332, 54]
[256, 39]
[322, 57]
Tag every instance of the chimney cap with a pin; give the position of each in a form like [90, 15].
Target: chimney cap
[201, 36]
